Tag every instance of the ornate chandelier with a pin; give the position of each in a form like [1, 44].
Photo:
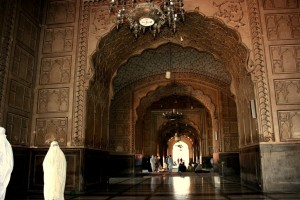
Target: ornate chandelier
[148, 14]
[172, 115]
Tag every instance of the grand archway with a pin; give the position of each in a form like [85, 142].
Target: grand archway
[128, 77]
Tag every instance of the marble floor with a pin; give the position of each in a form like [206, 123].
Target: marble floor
[161, 186]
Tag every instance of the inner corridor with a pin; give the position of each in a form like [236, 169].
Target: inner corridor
[173, 185]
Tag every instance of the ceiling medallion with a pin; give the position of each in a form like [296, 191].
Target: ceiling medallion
[148, 15]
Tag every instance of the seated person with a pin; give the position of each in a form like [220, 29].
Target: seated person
[182, 167]
[198, 168]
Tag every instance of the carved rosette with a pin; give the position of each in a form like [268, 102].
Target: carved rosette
[259, 75]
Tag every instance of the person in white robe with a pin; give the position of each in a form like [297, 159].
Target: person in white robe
[6, 163]
[55, 167]
[153, 162]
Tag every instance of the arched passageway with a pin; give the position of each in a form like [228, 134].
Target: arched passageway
[209, 66]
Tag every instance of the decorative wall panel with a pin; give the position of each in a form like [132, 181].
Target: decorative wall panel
[289, 125]
[58, 40]
[285, 58]
[60, 12]
[53, 100]
[280, 4]
[51, 129]
[17, 128]
[56, 70]
[287, 91]
[283, 26]
[32, 8]
[19, 96]
[23, 64]
[27, 32]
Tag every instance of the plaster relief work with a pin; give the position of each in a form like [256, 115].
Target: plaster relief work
[19, 96]
[285, 59]
[287, 91]
[231, 12]
[53, 100]
[17, 128]
[101, 20]
[56, 70]
[280, 4]
[23, 64]
[61, 12]
[27, 32]
[51, 129]
[258, 75]
[58, 40]
[289, 125]
[283, 26]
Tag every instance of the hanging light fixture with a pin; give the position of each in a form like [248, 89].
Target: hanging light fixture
[172, 115]
[148, 14]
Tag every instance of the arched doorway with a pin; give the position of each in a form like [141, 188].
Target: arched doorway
[180, 153]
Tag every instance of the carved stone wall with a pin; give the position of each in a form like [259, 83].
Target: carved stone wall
[19, 46]
[120, 132]
[55, 75]
[282, 22]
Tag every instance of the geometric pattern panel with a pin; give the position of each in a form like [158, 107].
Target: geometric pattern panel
[287, 91]
[27, 32]
[53, 100]
[61, 12]
[283, 26]
[285, 58]
[19, 96]
[55, 70]
[58, 40]
[23, 64]
[289, 126]
[17, 129]
[51, 129]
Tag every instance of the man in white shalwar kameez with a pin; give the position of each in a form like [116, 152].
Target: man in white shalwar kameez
[54, 167]
[6, 163]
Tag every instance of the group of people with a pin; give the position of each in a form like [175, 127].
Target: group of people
[54, 167]
[156, 165]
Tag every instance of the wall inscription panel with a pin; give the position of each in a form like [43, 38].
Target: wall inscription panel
[287, 91]
[17, 128]
[19, 96]
[53, 100]
[51, 129]
[23, 64]
[285, 59]
[58, 40]
[61, 12]
[283, 26]
[289, 125]
[55, 70]
[27, 32]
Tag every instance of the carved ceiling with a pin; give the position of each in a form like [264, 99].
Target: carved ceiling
[170, 57]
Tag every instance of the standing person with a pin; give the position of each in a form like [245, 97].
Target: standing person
[153, 162]
[54, 167]
[170, 163]
[6, 163]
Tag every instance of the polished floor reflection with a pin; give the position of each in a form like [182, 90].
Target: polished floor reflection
[174, 186]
